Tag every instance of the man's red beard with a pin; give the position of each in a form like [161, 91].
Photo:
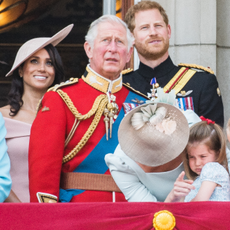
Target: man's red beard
[152, 53]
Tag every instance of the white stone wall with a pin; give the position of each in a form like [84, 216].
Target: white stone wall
[193, 25]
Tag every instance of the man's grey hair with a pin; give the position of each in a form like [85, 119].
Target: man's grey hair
[93, 29]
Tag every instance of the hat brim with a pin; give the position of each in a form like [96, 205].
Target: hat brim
[149, 146]
[32, 46]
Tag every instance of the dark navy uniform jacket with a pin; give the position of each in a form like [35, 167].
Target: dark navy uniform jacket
[201, 88]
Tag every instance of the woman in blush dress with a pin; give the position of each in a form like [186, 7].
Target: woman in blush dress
[37, 67]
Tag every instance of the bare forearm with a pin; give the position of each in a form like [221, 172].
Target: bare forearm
[12, 198]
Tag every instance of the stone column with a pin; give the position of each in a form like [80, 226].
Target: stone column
[193, 24]
[109, 7]
[223, 53]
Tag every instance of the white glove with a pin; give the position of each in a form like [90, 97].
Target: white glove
[191, 117]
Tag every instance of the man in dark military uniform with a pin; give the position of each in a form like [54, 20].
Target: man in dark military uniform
[195, 89]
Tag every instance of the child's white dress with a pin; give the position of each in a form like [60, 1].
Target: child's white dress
[215, 172]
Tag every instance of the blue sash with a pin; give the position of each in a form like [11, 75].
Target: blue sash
[94, 162]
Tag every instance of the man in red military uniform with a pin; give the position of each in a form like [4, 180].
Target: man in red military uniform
[77, 123]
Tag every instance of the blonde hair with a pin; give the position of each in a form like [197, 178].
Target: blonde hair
[143, 6]
[212, 136]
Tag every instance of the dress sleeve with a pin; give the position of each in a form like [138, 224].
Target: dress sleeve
[126, 178]
[228, 156]
[5, 179]
[46, 147]
[215, 172]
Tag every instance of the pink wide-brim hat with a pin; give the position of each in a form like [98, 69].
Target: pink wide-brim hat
[149, 146]
[32, 46]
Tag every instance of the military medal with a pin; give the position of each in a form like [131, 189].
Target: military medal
[154, 85]
[137, 101]
[110, 113]
[106, 86]
[106, 120]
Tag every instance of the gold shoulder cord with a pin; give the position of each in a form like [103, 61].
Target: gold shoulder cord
[136, 91]
[194, 66]
[55, 88]
[71, 81]
[97, 109]
[125, 71]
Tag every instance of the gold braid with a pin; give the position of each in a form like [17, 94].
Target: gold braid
[73, 109]
[194, 66]
[97, 109]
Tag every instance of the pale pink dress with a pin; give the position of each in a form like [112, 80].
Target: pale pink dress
[17, 140]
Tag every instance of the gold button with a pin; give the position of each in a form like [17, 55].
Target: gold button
[218, 91]
[156, 85]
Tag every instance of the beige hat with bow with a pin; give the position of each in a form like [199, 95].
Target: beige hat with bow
[153, 134]
[32, 46]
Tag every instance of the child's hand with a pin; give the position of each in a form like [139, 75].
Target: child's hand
[181, 189]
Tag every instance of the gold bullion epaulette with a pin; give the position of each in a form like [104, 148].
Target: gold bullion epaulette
[127, 85]
[62, 84]
[194, 66]
[125, 71]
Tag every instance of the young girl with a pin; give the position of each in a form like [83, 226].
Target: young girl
[205, 162]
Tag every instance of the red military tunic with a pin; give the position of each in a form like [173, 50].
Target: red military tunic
[51, 128]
